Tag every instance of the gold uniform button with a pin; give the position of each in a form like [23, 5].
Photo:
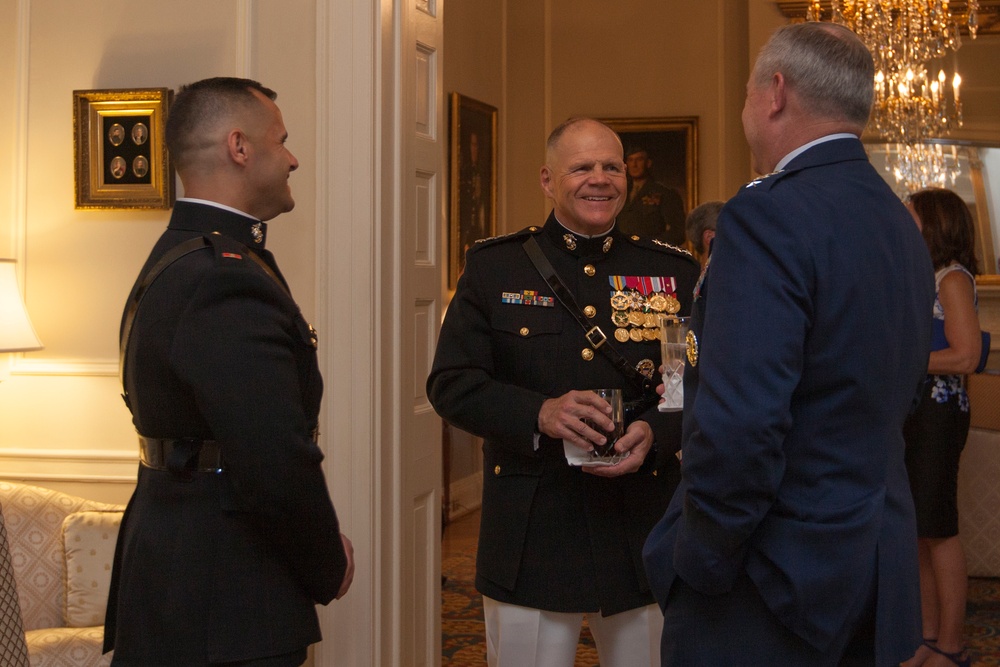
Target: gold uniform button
[589, 311]
[590, 270]
[656, 473]
[525, 331]
[587, 354]
[635, 238]
[496, 471]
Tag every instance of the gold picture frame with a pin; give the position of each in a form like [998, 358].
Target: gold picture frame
[121, 161]
[473, 179]
[672, 145]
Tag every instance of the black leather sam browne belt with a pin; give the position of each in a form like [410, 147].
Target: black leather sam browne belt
[180, 455]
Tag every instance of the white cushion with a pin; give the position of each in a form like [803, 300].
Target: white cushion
[89, 539]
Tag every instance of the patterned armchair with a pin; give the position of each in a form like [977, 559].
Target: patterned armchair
[61, 549]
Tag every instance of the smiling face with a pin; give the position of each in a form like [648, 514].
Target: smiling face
[584, 176]
[272, 163]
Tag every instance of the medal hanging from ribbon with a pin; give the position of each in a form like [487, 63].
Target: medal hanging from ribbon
[636, 301]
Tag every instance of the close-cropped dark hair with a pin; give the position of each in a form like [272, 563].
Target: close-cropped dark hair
[199, 103]
[947, 226]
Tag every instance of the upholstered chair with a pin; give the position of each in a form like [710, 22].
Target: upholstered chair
[61, 549]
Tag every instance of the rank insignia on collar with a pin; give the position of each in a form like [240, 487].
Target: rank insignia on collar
[570, 241]
[257, 233]
[607, 244]
[528, 298]
[757, 181]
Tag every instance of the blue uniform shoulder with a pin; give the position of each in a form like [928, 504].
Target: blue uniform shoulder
[520, 235]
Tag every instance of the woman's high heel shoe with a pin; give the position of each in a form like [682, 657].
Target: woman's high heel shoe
[960, 658]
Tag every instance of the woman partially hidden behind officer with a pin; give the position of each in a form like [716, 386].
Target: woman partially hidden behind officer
[935, 433]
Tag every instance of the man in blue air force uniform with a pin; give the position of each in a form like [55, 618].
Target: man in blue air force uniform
[791, 538]
[513, 365]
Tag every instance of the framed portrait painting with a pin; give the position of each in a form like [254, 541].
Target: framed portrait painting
[473, 179]
[120, 157]
[671, 145]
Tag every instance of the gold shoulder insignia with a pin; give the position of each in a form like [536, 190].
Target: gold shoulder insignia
[672, 247]
[521, 232]
[494, 238]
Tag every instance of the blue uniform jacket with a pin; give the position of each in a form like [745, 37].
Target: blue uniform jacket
[813, 327]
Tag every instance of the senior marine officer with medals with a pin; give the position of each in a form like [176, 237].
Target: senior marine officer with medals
[560, 539]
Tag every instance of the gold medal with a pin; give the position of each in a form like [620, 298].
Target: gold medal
[621, 335]
[692, 348]
[646, 367]
[636, 318]
[635, 335]
[619, 318]
[650, 334]
[651, 321]
[658, 302]
[619, 301]
[673, 305]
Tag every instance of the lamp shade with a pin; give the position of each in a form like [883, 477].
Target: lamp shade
[16, 332]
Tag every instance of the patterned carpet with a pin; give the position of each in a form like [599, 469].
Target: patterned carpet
[462, 643]
[462, 614]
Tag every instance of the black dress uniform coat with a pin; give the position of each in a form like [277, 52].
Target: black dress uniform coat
[214, 567]
[553, 537]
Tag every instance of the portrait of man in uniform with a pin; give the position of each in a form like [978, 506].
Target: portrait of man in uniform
[662, 169]
[473, 178]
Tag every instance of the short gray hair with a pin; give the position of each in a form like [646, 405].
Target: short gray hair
[826, 64]
[698, 220]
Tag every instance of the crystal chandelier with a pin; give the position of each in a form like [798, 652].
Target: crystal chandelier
[919, 166]
[911, 105]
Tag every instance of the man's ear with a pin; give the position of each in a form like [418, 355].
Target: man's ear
[238, 146]
[779, 94]
[545, 178]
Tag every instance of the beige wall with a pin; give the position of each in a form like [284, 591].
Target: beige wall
[62, 422]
